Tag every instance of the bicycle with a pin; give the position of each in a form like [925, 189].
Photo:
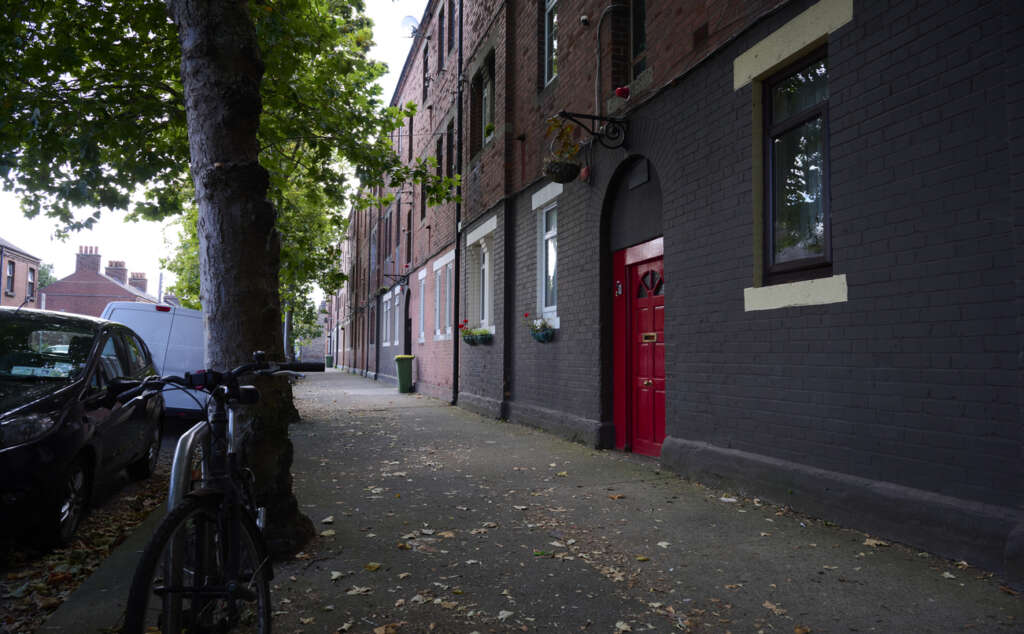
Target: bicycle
[207, 568]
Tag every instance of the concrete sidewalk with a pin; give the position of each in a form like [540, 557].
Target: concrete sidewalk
[435, 519]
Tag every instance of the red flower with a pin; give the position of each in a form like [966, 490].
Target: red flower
[525, 315]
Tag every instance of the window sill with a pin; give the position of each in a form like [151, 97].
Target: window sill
[817, 292]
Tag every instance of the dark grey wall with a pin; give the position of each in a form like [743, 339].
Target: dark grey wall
[915, 381]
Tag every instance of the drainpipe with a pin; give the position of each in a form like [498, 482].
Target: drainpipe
[376, 295]
[458, 222]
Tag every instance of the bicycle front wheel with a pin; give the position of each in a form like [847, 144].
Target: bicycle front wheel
[183, 582]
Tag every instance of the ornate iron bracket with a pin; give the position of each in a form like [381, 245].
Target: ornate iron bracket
[611, 133]
[401, 280]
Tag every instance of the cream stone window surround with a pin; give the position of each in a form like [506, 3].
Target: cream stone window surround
[792, 40]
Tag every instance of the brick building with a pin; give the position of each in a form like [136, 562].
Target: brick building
[87, 291]
[20, 272]
[790, 264]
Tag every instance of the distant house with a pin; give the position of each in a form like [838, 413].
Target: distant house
[87, 291]
[20, 276]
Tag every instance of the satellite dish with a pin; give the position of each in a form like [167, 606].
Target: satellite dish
[409, 22]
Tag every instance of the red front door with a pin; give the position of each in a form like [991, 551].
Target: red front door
[639, 326]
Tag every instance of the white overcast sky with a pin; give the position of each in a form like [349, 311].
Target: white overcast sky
[141, 244]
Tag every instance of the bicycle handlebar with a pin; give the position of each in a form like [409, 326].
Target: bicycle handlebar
[210, 379]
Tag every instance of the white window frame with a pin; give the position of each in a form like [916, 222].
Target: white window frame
[550, 56]
[385, 335]
[480, 274]
[423, 301]
[449, 271]
[437, 304]
[397, 337]
[9, 282]
[30, 284]
[548, 311]
[443, 268]
[544, 199]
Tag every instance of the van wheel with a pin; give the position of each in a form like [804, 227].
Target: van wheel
[146, 465]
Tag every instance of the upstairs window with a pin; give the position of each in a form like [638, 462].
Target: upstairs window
[451, 25]
[30, 286]
[550, 40]
[481, 116]
[450, 150]
[411, 120]
[440, 39]
[9, 282]
[797, 224]
[629, 42]
[426, 69]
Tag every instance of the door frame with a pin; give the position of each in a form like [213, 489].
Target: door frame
[621, 327]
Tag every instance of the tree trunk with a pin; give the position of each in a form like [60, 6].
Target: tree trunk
[239, 248]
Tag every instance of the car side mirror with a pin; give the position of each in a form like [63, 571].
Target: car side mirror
[118, 386]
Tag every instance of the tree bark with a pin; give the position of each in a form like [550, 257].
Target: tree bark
[239, 248]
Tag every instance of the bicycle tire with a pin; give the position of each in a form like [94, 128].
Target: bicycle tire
[194, 526]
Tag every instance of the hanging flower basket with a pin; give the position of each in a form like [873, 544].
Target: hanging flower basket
[469, 338]
[543, 336]
[561, 171]
[484, 338]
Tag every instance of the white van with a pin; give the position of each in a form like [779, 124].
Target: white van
[175, 338]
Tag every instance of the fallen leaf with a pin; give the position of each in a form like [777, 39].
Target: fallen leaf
[733, 586]
[642, 558]
[728, 500]
[774, 608]
[874, 542]
[399, 603]
[427, 531]
[417, 600]
[327, 520]
[504, 614]
[335, 575]
[800, 629]
[664, 544]
[373, 566]
[764, 534]
[404, 546]
[447, 534]
[562, 474]
[622, 626]
[519, 508]
[359, 590]
[1008, 590]
[616, 496]
[327, 533]
[346, 626]
[490, 525]
[948, 575]
[962, 565]
[307, 620]
[405, 575]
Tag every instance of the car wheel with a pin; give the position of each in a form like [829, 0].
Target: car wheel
[68, 507]
[146, 465]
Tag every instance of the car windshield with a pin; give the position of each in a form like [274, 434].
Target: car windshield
[43, 349]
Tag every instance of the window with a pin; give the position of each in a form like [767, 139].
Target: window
[437, 303]
[550, 40]
[9, 284]
[629, 42]
[386, 322]
[638, 36]
[450, 150]
[411, 137]
[448, 271]
[440, 39]
[549, 260]
[397, 314]
[372, 326]
[481, 116]
[451, 25]
[439, 155]
[484, 287]
[423, 294]
[426, 70]
[30, 287]
[796, 223]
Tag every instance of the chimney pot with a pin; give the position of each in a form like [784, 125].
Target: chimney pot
[88, 259]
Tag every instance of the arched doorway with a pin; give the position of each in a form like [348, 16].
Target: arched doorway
[636, 248]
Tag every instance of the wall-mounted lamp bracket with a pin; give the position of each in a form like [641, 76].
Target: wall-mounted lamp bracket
[609, 131]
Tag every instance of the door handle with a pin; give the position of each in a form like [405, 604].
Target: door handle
[648, 383]
[648, 337]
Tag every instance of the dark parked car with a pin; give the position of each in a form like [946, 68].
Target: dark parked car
[62, 425]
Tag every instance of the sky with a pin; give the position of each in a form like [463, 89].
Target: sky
[142, 244]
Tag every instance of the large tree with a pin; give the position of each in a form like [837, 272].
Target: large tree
[113, 105]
